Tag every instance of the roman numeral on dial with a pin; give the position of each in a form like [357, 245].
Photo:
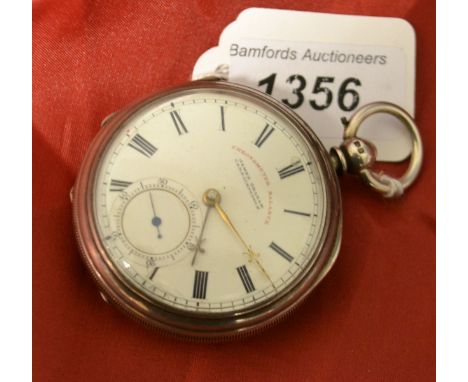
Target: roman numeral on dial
[280, 251]
[245, 278]
[199, 284]
[266, 132]
[178, 123]
[223, 125]
[141, 145]
[155, 270]
[291, 170]
[119, 185]
[297, 212]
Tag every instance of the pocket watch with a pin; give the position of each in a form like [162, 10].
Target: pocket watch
[211, 210]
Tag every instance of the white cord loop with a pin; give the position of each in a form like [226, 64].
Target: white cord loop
[395, 188]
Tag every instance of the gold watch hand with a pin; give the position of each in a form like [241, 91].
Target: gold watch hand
[212, 198]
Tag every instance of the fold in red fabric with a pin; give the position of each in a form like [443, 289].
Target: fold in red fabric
[372, 318]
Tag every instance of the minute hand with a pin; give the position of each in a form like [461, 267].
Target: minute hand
[252, 255]
[228, 221]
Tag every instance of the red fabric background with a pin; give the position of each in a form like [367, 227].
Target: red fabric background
[373, 317]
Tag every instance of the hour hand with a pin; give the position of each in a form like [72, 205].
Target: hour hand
[200, 239]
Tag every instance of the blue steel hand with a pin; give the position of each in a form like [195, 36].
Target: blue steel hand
[156, 220]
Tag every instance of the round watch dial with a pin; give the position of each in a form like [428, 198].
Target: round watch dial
[209, 202]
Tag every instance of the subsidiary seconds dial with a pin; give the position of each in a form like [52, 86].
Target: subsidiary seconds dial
[171, 215]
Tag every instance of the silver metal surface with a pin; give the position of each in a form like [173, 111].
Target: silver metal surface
[358, 156]
[72, 194]
[107, 119]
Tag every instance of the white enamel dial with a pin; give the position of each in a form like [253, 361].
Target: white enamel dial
[209, 202]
